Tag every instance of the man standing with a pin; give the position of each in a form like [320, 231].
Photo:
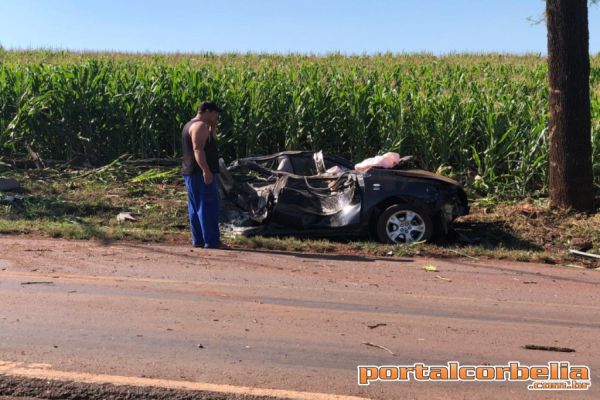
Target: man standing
[200, 170]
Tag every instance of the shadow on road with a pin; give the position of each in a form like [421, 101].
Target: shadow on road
[489, 235]
[163, 249]
[327, 256]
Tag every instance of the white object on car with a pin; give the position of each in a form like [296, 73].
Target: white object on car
[387, 160]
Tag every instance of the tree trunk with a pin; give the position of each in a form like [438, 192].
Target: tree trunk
[571, 176]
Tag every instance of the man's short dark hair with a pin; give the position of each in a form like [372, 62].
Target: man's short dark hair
[207, 106]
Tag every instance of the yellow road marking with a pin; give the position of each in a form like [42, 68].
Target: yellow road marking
[44, 371]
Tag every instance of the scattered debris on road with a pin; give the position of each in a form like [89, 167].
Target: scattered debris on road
[125, 216]
[584, 254]
[36, 283]
[575, 266]
[379, 347]
[11, 198]
[548, 348]
[7, 184]
[463, 254]
[430, 268]
[376, 326]
[443, 279]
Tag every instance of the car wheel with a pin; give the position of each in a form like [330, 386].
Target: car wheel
[404, 224]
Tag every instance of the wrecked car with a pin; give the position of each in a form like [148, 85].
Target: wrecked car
[304, 193]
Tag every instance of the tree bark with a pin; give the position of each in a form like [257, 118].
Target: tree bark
[571, 176]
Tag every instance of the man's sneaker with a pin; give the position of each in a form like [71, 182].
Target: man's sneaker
[220, 246]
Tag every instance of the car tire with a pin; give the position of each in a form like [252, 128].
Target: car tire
[404, 224]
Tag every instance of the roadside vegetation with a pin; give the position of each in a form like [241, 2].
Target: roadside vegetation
[481, 119]
[84, 203]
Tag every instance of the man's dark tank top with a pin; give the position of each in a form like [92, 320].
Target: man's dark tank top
[189, 164]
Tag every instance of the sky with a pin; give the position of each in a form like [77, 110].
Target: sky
[280, 26]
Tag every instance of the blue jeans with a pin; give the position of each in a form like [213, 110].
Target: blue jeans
[203, 209]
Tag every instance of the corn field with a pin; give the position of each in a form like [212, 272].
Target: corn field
[479, 118]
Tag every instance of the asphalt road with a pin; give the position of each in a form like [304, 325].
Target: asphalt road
[247, 323]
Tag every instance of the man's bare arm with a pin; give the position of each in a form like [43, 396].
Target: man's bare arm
[200, 132]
